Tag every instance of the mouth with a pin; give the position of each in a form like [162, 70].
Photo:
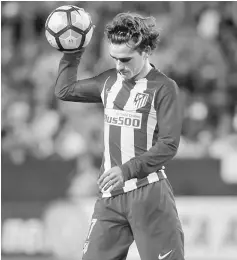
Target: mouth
[123, 73]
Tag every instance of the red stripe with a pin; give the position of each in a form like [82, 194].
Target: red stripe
[140, 135]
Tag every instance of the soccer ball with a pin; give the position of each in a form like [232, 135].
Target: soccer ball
[68, 28]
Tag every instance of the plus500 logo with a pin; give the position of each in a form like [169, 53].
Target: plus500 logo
[123, 121]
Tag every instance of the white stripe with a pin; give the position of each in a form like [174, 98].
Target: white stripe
[103, 91]
[107, 162]
[151, 124]
[127, 134]
[106, 194]
[130, 182]
[152, 177]
[113, 92]
[132, 186]
[127, 144]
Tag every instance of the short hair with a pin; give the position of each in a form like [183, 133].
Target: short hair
[127, 26]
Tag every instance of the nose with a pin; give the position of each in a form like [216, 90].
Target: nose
[119, 65]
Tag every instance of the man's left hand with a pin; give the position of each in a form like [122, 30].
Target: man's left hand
[113, 177]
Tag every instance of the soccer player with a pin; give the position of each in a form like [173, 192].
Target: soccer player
[142, 126]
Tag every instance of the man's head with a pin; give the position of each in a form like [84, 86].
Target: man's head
[132, 38]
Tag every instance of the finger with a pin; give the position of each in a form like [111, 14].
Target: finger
[104, 182]
[108, 181]
[107, 187]
[105, 174]
[117, 185]
[110, 184]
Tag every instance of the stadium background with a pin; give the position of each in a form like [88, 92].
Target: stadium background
[51, 150]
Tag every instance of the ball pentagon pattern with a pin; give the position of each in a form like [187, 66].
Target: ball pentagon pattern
[68, 28]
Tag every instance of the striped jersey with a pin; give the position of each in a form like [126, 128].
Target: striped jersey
[142, 119]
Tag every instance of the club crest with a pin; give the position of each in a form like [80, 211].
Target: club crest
[140, 100]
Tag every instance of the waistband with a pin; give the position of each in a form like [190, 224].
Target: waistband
[135, 183]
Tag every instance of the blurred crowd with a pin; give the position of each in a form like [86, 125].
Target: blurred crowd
[198, 49]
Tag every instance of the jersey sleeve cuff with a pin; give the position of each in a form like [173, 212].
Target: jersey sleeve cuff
[126, 171]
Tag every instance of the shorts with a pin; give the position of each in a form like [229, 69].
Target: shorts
[147, 214]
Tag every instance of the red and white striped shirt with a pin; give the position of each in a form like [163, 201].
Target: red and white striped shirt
[142, 119]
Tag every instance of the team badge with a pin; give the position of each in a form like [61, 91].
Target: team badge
[140, 100]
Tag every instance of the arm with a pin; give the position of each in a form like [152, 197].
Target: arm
[169, 120]
[68, 88]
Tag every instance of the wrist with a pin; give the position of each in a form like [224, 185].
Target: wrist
[73, 55]
[125, 171]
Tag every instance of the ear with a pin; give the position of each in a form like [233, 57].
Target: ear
[147, 52]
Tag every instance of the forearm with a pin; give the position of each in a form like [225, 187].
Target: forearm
[68, 88]
[151, 161]
[67, 75]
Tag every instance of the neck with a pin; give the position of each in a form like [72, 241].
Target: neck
[145, 70]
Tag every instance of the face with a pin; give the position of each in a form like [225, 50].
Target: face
[129, 62]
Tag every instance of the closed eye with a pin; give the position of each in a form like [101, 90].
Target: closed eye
[123, 60]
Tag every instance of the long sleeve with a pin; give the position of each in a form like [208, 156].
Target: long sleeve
[68, 88]
[169, 122]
